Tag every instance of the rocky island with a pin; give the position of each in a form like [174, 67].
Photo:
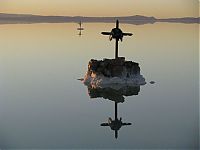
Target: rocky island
[102, 73]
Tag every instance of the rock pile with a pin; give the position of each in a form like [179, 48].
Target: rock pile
[113, 68]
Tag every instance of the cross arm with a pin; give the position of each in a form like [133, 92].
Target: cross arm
[106, 33]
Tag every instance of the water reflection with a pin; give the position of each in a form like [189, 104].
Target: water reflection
[80, 33]
[115, 124]
[115, 93]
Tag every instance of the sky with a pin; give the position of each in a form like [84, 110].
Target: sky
[156, 8]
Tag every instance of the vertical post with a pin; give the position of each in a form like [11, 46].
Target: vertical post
[116, 119]
[116, 111]
[116, 49]
[116, 134]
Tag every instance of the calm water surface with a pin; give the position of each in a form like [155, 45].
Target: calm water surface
[43, 105]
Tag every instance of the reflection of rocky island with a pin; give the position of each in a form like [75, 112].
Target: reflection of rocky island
[116, 94]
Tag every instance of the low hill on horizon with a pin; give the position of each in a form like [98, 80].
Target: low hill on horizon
[136, 19]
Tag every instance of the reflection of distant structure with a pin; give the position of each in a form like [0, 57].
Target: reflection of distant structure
[80, 28]
[80, 33]
[116, 94]
[117, 34]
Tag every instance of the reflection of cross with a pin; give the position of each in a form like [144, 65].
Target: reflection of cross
[117, 34]
[116, 94]
[115, 124]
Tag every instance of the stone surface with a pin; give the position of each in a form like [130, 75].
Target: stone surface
[113, 67]
[105, 72]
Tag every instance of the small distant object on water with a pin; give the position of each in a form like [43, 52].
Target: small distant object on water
[80, 29]
[152, 82]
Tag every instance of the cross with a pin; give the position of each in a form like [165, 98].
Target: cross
[117, 34]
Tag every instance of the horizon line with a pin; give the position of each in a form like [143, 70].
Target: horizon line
[92, 16]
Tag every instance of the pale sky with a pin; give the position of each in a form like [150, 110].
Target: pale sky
[157, 8]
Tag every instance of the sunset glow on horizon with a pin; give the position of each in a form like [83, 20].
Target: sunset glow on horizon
[156, 8]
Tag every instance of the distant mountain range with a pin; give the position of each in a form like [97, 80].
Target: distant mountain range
[137, 19]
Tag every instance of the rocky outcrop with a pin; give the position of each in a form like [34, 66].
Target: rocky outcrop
[113, 71]
[113, 67]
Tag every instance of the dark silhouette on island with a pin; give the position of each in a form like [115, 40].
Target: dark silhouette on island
[115, 94]
[136, 20]
[117, 34]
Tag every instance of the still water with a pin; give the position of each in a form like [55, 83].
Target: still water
[43, 105]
